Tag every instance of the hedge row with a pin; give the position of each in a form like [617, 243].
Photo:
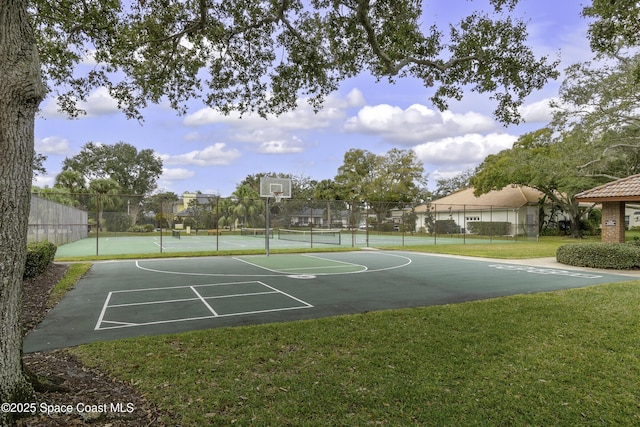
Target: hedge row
[618, 256]
[486, 228]
[39, 257]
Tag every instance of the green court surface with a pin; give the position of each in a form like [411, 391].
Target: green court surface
[127, 244]
[120, 299]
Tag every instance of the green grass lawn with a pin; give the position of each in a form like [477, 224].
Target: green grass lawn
[545, 247]
[562, 358]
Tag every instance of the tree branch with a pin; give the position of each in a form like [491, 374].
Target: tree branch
[392, 67]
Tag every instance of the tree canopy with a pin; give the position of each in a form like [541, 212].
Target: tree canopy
[136, 172]
[599, 103]
[382, 181]
[614, 26]
[258, 55]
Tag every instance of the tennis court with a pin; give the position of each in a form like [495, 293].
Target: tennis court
[149, 297]
[253, 239]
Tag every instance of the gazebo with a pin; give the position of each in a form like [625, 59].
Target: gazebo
[613, 196]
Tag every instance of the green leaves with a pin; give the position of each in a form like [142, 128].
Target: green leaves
[393, 177]
[256, 55]
[135, 171]
[616, 25]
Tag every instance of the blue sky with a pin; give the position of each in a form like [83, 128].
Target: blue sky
[208, 152]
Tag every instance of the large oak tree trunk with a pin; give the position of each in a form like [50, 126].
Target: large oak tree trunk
[21, 91]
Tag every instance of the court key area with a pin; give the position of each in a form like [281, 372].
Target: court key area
[119, 299]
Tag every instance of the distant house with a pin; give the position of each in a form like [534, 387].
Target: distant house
[302, 218]
[515, 208]
[306, 216]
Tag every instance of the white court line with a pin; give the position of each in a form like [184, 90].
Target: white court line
[124, 324]
[117, 325]
[286, 294]
[104, 310]
[372, 270]
[188, 319]
[288, 270]
[280, 273]
[320, 268]
[153, 270]
[257, 265]
[162, 288]
[168, 301]
[348, 264]
[203, 301]
[545, 271]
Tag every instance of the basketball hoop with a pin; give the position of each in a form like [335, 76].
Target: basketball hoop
[277, 188]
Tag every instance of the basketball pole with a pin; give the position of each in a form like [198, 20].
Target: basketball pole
[266, 228]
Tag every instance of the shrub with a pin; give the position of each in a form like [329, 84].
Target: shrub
[446, 226]
[117, 221]
[141, 228]
[39, 256]
[486, 228]
[619, 256]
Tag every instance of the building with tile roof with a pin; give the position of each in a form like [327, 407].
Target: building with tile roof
[516, 206]
[614, 196]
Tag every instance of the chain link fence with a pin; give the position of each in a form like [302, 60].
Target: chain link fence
[56, 222]
[112, 224]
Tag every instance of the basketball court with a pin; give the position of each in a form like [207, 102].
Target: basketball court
[120, 299]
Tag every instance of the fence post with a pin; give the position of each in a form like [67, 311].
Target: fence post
[97, 222]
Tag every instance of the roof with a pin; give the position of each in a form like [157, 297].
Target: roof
[511, 196]
[623, 190]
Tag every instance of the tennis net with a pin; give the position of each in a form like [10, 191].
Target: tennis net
[255, 232]
[329, 237]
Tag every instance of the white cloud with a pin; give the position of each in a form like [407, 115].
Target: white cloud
[98, 103]
[467, 149]
[281, 146]
[438, 174]
[214, 155]
[416, 123]
[44, 181]
[52, 145]
[176, 174]
[538, 112]
[192, 136]
[355, 98]
[303, 117]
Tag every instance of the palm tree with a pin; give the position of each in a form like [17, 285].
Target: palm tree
[249, 207]
[104, 191]
[74, 183]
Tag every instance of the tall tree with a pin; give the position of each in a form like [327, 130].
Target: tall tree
[614, 26]
[71, 180]
[382, 181]
[249, 207]
[447, 186]
[136, 172]
[104, 191]
[163, 206]
[600, 102]
[251, 55]
[21, 91]
[544, 161]
[325, 191]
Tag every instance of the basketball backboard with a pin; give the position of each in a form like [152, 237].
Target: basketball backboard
[272, 187]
